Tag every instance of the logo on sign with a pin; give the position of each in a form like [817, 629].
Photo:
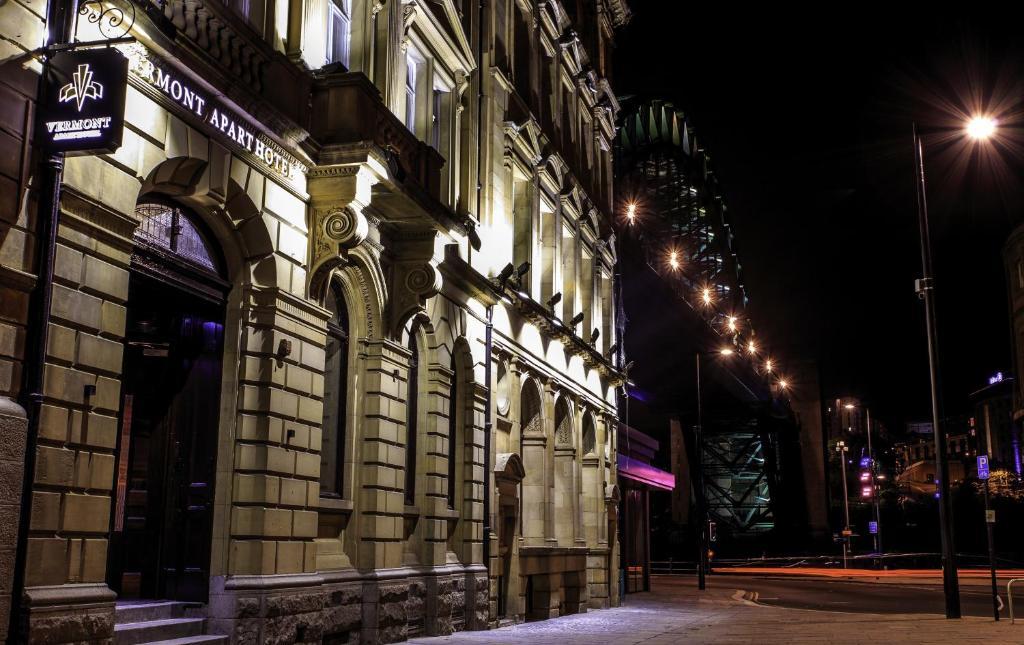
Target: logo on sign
[81, 87]
[84, 107]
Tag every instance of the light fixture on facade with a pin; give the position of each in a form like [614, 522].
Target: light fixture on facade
[554, 300]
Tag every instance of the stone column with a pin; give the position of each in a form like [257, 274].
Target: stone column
[67, 598]
[548, 402]
[275, 489]
[380, 498]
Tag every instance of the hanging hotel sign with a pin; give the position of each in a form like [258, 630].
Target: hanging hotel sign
[84, 109]
[214, 113]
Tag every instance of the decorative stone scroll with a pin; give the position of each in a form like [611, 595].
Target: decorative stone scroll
[415, 278]
[334, 231]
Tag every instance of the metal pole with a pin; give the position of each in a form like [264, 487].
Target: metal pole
[990, 530]
[701, 512]
[61, 21]
[926, 290]
[846, 506]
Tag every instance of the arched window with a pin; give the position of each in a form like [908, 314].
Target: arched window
[412, 415]
[332, 451]
[589, 434]
[172, 230]
[454, 420]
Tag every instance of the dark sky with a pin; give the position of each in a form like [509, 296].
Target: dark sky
[809, 129]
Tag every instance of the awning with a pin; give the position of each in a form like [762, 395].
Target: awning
[645, 473]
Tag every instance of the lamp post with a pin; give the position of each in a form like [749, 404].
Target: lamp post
[979, 129]
[702, 513]
[872, 469]
[842, 449]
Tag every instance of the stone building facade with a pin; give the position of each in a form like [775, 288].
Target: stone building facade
[288, 378]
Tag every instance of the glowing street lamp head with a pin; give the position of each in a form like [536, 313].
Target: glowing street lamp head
[673, 260]
[981, 128]
[783, 384]
[768, 365]
[726, 351]
[706, 296]
[631, 212]
[751, 347]
[732, 323]
[849, 406]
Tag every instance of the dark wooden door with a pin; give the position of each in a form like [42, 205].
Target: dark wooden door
[172, 380]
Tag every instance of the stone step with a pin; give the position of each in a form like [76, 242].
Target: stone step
[140, 612]
[157, 630]
[208, 639]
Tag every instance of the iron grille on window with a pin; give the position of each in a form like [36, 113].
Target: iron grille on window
[170, 229]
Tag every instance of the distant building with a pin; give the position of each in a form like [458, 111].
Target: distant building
[1013, 261]
[993, 422]
[637, 478]
[961, 444]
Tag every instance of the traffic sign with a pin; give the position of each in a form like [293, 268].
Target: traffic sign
[873, 527]
[990, 516]
[982, 466]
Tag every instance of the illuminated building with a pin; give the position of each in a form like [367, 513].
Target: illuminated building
[282, 380]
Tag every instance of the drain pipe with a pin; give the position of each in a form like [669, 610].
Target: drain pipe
[488, 475]
[60, 16]
[488, 338]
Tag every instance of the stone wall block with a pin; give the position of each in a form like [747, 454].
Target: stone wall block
[77, 308]
[100, 354]
[105, 279]
[47, 560]
[55, 466]
[45, 511]
[85, 513]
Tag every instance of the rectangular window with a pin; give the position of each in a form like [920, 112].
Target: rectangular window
[522, 228]
[587, 298]
[340, 33]
[435, 120]
[569, 305]
[550, 271]
[411, 71]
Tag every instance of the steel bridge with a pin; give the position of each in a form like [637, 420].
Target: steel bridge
[679, 208]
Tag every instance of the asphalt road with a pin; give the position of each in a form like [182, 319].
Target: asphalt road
[862, 597]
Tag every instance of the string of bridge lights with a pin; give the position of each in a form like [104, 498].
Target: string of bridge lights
[761, 362]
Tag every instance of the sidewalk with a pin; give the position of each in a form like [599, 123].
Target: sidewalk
[673, 613]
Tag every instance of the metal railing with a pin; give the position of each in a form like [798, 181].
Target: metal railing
[1009, 595]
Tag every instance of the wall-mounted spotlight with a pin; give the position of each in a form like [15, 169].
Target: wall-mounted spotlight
[522, 270]
[577, 319]
[594, 335]
[506, 273]
[554, 300]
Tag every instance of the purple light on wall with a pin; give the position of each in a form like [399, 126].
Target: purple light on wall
[1016, 455]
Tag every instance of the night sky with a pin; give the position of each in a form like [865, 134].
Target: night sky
[809, 130]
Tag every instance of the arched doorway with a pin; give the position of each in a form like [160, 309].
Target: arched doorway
[167, 444]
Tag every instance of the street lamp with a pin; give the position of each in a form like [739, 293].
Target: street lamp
[980, 128]
[842, 449]
[702, 513]
[874, 477]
